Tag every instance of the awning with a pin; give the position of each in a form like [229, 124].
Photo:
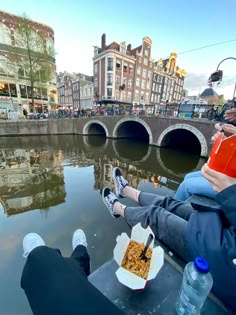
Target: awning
[106, 102]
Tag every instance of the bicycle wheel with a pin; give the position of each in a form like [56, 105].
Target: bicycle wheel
[211, 114]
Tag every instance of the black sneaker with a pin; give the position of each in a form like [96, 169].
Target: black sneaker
[109, 199]
[120, 182]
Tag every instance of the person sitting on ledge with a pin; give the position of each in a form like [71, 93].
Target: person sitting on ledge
[187, 232]
[194, 183]
[57, 285]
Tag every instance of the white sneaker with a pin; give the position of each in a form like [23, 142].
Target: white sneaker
[79, 238]
[109, 199]
[30, 242]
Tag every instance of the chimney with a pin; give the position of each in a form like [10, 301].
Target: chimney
[129, 47]
[103, 41]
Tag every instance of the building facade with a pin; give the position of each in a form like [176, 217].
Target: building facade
[75, 91]
[131, 75]
[15, 85]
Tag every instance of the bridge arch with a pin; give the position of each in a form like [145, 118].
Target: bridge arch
[141, 156]
[127, 120]
[95, 127]
[194, 131]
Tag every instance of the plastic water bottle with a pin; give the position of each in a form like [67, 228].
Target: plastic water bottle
[196, 285]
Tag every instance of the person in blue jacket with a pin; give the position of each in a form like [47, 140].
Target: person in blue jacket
[208, 233]
[194, 183]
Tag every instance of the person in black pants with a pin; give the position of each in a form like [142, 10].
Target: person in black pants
[58, 285]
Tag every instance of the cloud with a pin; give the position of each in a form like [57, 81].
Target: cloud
[194, 81]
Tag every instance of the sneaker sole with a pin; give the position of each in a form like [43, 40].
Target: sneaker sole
[116, 186]
[116, 216]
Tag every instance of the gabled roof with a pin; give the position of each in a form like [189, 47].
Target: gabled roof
[133, 51]
[209, 92]
[114, 46]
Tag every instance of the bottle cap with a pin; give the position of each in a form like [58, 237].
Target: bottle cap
[201, 265]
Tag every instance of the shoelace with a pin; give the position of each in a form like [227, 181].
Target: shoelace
[110, 199]
[121, 181]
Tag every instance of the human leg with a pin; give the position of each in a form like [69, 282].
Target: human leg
[192, 185]
[166, 217]
[57, 285]
[116, 208]
[166, 226]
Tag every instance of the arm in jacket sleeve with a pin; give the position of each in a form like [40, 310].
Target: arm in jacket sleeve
[226, 188]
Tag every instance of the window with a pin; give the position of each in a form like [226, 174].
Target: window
[109, 79]
[117, 80]
[125, 67]
[5, 34]
[136, 96]
[131, 69]
[129, 97]
[152, 98]
[122, 49]
[149, 74]
[109, 92]
[142, 96]
[130, 83]
[118, 65]
[147, 97]
[95, 82]
[143, 84]
[109, 64]
[137, 81]
[117, 95]
[145, 61]
[144, 73]
[138, 70]
[146, 52]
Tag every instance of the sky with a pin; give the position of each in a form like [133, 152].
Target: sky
[174, 26]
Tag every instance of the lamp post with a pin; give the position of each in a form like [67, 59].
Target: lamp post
[218, 74]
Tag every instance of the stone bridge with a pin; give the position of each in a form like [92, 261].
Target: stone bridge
[191, 135]
[184, 134]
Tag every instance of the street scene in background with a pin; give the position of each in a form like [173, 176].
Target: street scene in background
[117, 157]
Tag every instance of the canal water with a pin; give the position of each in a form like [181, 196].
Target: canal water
[52, 185]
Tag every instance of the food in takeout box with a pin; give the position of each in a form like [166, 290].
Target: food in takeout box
[132, 259]
[223, 155]
[139, 279]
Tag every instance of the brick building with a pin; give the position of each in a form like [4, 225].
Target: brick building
[75, 91]
[131, 75]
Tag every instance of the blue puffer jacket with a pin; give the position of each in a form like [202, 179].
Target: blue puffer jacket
[212, 235]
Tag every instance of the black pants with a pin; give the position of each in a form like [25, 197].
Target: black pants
[58, 285]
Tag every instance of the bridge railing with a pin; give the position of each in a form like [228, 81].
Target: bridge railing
[170, 110]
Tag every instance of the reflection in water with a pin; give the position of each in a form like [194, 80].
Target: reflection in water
[131, 150]
[62, 176]
[31, 173]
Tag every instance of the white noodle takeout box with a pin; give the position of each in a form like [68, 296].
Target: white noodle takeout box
[126, 277]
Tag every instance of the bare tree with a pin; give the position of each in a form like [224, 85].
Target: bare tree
[32, 51]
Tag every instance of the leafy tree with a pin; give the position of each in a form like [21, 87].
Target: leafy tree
[221, 100]
[33, 53]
